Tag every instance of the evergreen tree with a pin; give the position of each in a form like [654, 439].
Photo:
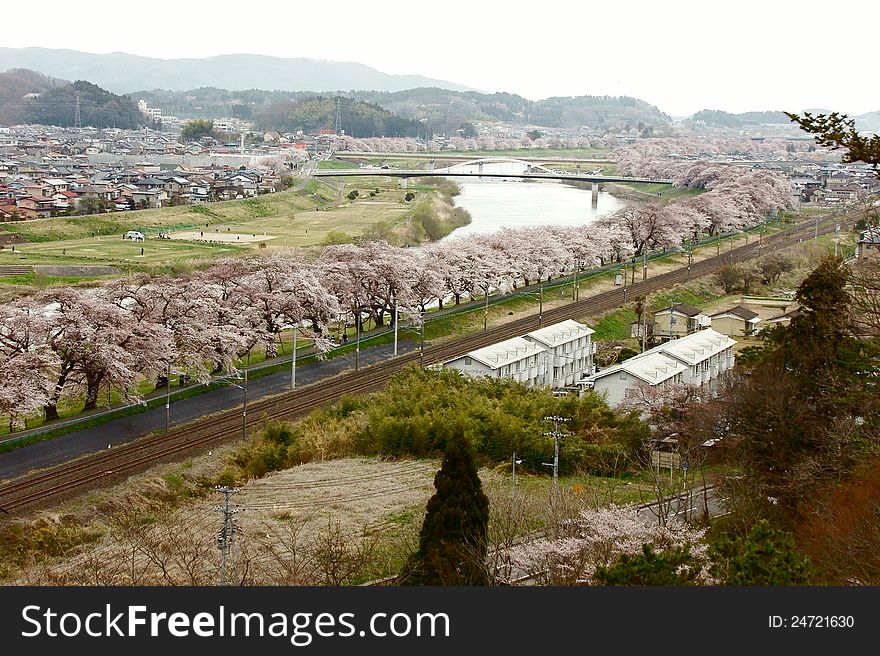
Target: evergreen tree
[676, 566]
[766, 556]
[453, 539]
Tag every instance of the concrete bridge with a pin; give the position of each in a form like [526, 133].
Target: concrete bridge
[480, 168]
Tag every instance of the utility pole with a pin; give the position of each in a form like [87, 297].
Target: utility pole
[513, 463]
[486, 309]
[576, 291]
[422, 341]
[226, 539]
[645, 265]
[624, 282]
[168, 398]
[541, 303]
[244, 404]
[690, 258]
[556, 434]
[293, 359]
[395, 326]
[357, 348]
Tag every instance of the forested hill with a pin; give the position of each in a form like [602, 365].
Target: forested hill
[438, 110]
[448, 109]
[17, 88]
[721, 119]
[357, 118]
[28, 97]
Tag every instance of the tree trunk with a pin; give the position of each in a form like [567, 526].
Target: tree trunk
[51, 410]
[93, 386]
[161, 381]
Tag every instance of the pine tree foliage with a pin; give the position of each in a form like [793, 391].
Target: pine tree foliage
[453, 539]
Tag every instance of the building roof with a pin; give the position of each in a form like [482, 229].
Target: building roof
[652, 368]
[682, 308]
[694, 348]
[560, 333]
[739, 311]
[503, 353]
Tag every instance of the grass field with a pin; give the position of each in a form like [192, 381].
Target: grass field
[290, 218]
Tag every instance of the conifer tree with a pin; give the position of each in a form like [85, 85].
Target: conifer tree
[453, 538]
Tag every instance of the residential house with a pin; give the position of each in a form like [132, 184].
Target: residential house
[738, 321]
[569, 349]
[516, 359]
[36, 207]
[868, 243]
[678, 320]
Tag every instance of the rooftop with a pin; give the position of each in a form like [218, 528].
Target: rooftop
[653, 368]
[560, 333]
[739, 311]
[503, 353]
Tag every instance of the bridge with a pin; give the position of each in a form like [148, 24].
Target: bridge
[528, 171]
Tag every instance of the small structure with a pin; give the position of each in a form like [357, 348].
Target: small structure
[868, 243]
[679, 320]
[738, 321]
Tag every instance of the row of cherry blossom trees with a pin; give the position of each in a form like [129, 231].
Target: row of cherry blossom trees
[76, 341]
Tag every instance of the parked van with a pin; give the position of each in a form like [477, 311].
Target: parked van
[134, 235]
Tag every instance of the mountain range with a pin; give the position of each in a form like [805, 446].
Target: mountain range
[122, 73]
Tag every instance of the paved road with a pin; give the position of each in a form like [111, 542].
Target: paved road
[127, 429]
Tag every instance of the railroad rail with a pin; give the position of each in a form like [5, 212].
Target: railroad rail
[113, 465]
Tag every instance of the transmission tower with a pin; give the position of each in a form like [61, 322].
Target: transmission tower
[226, 539]
[77, 118]
[338, 128]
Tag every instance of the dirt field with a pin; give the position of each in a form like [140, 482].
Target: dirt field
[215, 235]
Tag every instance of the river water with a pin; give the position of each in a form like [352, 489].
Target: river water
[511, 203]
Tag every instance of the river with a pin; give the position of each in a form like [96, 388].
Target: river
[507, 203]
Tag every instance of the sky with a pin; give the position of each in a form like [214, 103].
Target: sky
[679, 55]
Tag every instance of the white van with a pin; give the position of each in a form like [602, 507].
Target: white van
[134, 235]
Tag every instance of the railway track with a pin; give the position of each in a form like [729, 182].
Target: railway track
[115, 464]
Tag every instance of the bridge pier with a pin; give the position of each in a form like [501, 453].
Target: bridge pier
[594, 196]
[403, 183]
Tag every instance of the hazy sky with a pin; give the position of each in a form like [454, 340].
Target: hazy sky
[682, 56]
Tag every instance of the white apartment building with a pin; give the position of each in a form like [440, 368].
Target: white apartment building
[697, 359]
[515, 358]
[622, 381]
[569, 348]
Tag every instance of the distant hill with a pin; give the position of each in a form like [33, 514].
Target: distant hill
[722, 119]
[17, 90]
[123, 73]
[437, 110]
[29, 97]
[444, 110]
[869, 122]
[357, 118]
